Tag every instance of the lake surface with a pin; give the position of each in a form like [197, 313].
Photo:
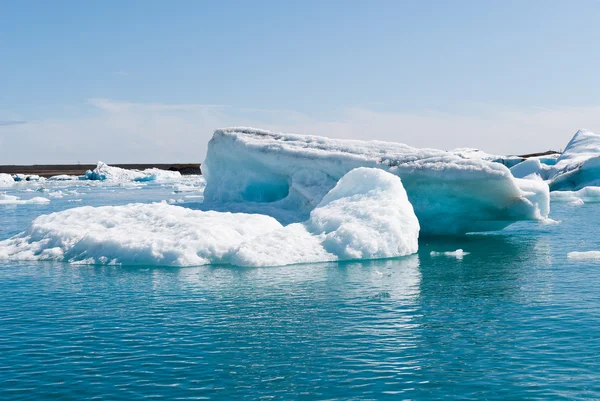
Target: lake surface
[514, 319]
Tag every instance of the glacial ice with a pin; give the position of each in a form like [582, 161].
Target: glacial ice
[15, 200]
[579, 165]
[287, 175]
[6, 180]
[63, 177]
[154, 234]
[104, 172]
[367, 215]
[584, 195]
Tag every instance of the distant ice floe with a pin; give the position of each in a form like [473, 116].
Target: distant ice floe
[104, 172]
[584, 195]
[6, 180]
[367, 215]
[287, 175]
[15, 200]
[64, 177]
[589, 255]
[458, 254]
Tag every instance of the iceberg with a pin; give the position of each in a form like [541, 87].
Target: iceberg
[104, 172]
[287, 176]
[458, 254]
[15, 200]
[579, 165]
[584, 195]
[153, 234]
[367, 215]
[6, 180]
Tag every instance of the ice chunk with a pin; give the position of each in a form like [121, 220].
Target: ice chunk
[63, 177]
[589, 255]
[15, 200]
[154, 234]
[458, 254]
[470, 153]
[584, 195]
[367, 215]
[6, 180]
[527, 168]
[579, 164]
[267, 172]
[109, 173]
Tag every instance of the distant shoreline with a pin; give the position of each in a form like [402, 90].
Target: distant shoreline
[49, 170]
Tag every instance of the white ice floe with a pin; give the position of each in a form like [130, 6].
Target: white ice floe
[584, 195]
[154, 234]
[579, 164]
[287, 175]
[458, 254]
[6, 180]
[589, 255]
[470, 153]
[104, 172]
[63, 177]
[367, 215]
[15, 200]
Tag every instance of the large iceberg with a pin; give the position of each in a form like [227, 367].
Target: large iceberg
[104, 172]
[579, 164]
[288, 175]
[365, 216]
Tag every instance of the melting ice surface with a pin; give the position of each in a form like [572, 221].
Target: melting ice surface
[287, 175]
[367, 215]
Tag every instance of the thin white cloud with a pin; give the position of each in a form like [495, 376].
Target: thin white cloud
[156, 132]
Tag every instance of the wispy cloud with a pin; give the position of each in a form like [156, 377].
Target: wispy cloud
[11, 122]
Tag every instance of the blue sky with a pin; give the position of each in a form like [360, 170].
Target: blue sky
[505, 76]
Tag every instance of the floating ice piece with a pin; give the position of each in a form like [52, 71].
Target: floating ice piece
[589, 255]
[153, 234]
[579, 164]
[458, 254]
[15, 200]
[63, 177]
[104, 172]
[584, 195]
[6, 180]
[287, 175]
[530, 168]
[367, 215]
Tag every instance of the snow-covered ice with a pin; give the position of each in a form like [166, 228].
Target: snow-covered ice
[63, 177]
[367, 215]
[584, 195]
[579, 165]
[154, 234]
[15, 200]
[109, 173]
[6, 180]
[287, 175]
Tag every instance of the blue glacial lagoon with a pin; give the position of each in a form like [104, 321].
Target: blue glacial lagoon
[513, 319]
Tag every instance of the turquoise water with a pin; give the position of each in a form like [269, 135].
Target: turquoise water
[514, 319]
